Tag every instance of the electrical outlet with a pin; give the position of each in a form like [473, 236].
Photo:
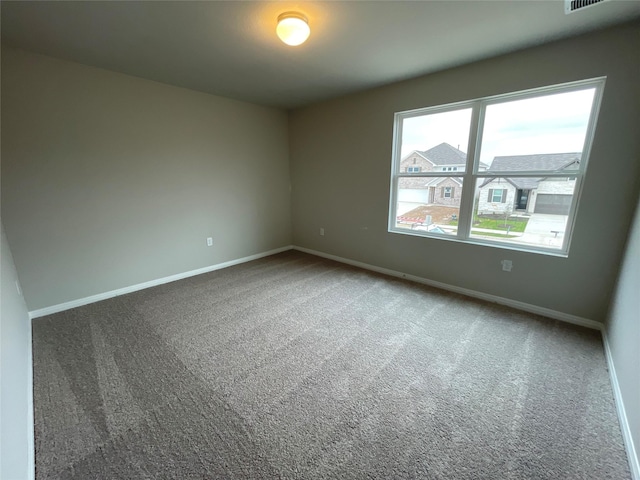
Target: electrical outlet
[321, 232]
[506, 265]
[209, 241]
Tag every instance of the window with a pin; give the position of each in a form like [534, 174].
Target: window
[497, 195]
[524, 166]
[413, 169]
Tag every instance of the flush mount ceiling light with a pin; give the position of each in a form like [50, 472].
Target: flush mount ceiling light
[293, 28]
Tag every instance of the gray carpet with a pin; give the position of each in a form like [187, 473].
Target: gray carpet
[296, 367]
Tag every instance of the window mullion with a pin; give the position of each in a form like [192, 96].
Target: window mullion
[468, 182]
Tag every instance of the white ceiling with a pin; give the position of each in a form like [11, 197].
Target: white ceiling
[229, 48]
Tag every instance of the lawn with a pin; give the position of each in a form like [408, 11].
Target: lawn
[496, 222]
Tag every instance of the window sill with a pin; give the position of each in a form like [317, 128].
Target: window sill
[478, 242]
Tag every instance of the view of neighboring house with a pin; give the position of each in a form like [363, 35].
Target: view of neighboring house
[441, 158]
[427, 191]
[551, 195]
[439, 190]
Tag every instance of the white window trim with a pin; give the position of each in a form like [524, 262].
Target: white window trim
[472, 170]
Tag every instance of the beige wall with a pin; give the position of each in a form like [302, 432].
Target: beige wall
[110, 180]
[341, 159]
[16, 415]
[623, 332]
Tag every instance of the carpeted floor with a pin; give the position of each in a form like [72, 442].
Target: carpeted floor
[296, 367]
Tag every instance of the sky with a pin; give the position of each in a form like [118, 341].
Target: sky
[554, 123]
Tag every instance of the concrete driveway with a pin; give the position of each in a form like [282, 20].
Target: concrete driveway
[541, 230]
[546, 224]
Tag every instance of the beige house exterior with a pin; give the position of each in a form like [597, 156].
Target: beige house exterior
[548, 195]
[447, 190]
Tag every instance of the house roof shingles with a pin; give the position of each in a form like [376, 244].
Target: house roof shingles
[540, 161]
[536, 162]
[526, 183]
[445, 154]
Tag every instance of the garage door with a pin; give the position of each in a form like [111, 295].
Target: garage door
[554, 204]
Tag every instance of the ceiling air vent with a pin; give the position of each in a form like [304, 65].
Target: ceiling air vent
[571, 6]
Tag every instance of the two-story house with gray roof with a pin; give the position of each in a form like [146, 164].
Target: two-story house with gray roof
[551, 195]
[441, 158]
[433, 190]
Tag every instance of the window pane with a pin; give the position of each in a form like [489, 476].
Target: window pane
[429, 204]
[523, 211]
[435, 142]
[543, 133]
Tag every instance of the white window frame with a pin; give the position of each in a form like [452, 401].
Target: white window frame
[447, 192]
[472, 171]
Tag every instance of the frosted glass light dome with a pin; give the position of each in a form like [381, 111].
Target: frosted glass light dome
[293, 28]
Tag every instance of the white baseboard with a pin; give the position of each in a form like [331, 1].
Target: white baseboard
[527, 307]
[31, 440]
[632, 455]
[152, 283]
